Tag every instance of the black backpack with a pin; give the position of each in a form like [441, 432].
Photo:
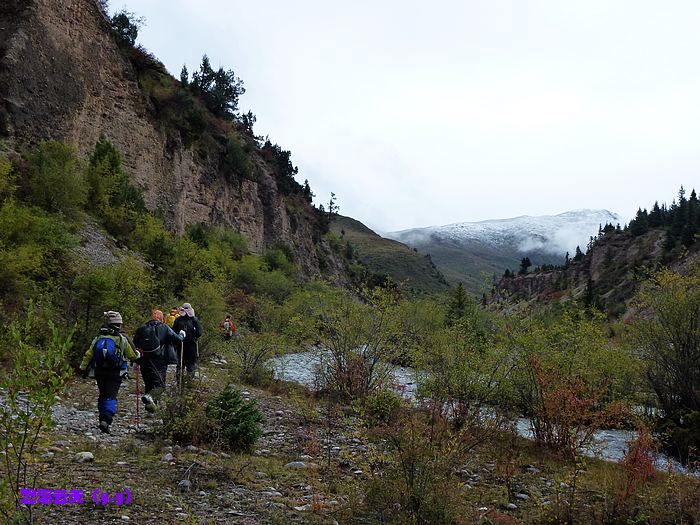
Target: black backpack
[147, 339]
[188, 325]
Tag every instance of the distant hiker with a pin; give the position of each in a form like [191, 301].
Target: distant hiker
[227, 328]
[193, 330]
[155, 341]
[173, 314]
[107, 357]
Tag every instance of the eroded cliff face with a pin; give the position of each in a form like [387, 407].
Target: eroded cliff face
[607, 276]
[63, 77]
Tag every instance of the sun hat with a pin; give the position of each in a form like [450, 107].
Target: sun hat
[188, 310]
[112, 317]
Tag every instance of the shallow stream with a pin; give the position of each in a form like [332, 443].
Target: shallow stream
[610, 444]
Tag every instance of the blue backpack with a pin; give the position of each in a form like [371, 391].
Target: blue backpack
[108, 353]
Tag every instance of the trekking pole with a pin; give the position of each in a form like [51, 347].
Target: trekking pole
[179, 377]
[138, 397]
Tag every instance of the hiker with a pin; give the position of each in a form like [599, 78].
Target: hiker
[107, 357]
[173, 314]
[155, 341]
[228, 329]
[189, 348]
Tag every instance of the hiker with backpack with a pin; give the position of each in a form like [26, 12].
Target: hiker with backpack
[189, 350]
[228, 328]
[155, 340]
[107, 357]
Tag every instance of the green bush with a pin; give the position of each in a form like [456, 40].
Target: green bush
[252, 351]
[279, 259]
[275, 285]
[185, 419]
[681, 434]
[381, 407]
[32, 246]
[32, 382]
[7, 183]
[55, 179]
[416, 482]
[237, 423]
[111, 197]
[235, 162]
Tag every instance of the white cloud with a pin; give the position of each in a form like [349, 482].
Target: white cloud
[419, 113]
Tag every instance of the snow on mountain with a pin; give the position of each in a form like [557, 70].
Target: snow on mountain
[553, 234]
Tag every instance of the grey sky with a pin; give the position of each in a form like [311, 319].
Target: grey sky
[425, 113]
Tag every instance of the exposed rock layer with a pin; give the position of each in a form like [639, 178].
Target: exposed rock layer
[63, 77]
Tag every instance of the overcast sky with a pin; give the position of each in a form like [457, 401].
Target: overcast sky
[428, 113]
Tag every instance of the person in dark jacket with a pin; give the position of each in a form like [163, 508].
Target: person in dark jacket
[193, 329]
[107, 357]
[153, 340]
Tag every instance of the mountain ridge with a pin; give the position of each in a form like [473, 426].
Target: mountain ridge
[469, 252]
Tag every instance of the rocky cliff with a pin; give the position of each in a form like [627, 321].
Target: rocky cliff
[607, 276]
[63, 77]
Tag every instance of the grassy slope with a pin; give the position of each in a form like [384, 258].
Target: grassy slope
[474, 263]
[391, 257]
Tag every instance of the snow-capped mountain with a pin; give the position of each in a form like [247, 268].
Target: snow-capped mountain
[555, 234]
[466, 250]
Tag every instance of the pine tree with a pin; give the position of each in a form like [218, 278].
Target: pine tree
[640, 224]
[306, 191]
[184, 76]
[333, 208]
[125, 26]
[458, 302]
[579, 254]
[525, 263]
[656, 218]
[220, 89]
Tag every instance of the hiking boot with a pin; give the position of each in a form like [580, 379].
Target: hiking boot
[148, 403]
[104, 427]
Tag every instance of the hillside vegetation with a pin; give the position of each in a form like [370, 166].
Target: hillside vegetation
[411, 270]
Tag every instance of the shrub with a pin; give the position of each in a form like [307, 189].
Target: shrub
[279, 258]
[236, 422]
[185, 419]
[36, 376]
[667, 337]
[207, 300]
[32, 246]
[235, 162]
[381, 407]
[681, 434]
[362, 341]
[252, 351]
[637, 465]
[567, 412]
[569, 378]
[55, 179]
[416, 481]
[467, 374]
[7, 186]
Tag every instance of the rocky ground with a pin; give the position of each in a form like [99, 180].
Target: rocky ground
[282, 481]
[305, 467]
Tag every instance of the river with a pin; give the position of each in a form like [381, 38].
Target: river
[608, 444]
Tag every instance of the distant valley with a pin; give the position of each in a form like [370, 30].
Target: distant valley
[471, 252]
